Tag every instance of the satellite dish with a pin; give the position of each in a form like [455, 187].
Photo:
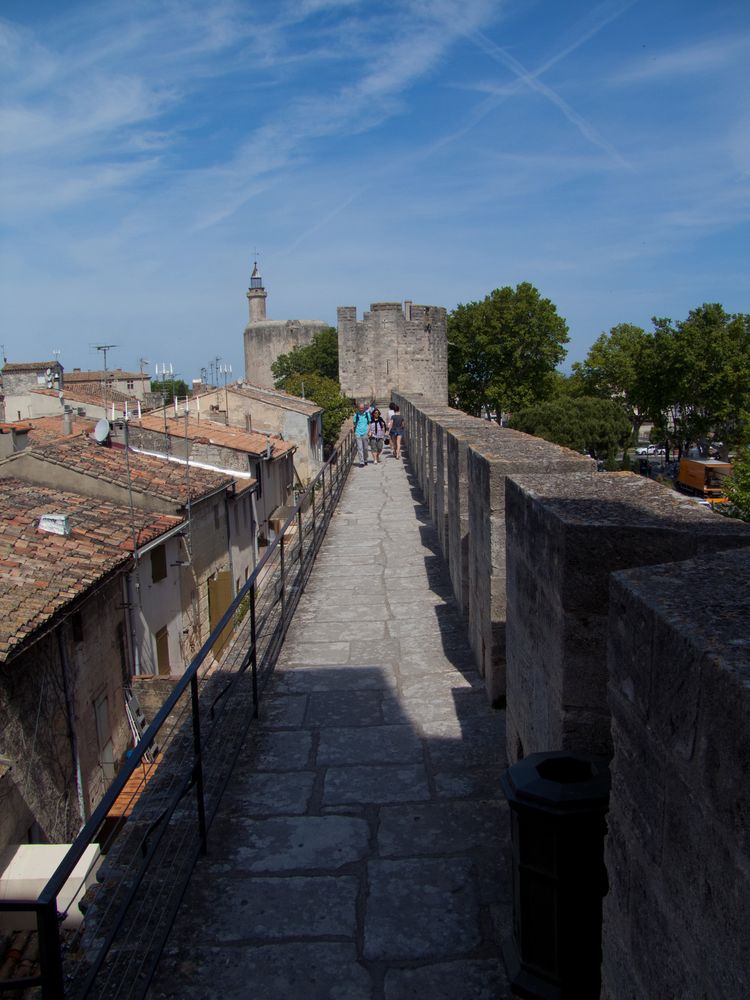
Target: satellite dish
[101, 431]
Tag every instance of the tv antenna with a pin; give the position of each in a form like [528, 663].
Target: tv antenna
[104, 348]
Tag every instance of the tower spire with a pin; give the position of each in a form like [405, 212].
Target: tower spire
[256, 296]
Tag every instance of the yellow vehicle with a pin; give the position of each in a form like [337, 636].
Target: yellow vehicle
[703, 477]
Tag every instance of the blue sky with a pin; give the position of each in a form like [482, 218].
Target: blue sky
[369, 151]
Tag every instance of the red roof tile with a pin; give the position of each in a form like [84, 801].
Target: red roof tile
[44, 430]
[111, 375]
[41, 573]
[153, 476]
[211, 432]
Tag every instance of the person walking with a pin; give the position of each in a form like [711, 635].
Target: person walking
[377, 435]
[396, 430]
[361, 420]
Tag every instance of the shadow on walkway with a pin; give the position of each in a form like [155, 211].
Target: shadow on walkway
[360, 850]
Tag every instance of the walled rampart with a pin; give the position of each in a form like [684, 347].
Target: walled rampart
[618, 613]
[393, 348]
[461, 464]
[266, 340]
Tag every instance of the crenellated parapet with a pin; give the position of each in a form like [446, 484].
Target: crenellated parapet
[393, 348]
[611, 616]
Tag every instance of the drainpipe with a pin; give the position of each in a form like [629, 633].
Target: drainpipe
[254, 511]
[229, 537]
[135, 659]
[70, 720]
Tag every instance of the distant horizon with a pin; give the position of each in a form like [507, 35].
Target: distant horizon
[151, 152]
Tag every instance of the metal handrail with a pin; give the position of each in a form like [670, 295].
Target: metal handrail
[45, 906]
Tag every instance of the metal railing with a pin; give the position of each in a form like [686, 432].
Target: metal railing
[158, 831]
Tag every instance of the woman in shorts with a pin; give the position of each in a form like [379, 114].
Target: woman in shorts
[395, 431]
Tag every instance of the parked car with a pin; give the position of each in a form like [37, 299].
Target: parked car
[651, 449]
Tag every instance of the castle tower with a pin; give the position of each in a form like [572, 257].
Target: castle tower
[265, 339]
[256, 296]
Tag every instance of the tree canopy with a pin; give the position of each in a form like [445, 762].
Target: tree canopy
[326, 393]
[617, 367]
[171, 388]
[598, 427]
[700, 386]
[320, 357]
[502, 351]
[691, 378]
[737, 486]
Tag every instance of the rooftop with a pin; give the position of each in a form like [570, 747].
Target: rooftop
[29, 366]
[45, 430]
[210, 432]
[92, 393]
[112, 374]
[41, 574]
[276, 397]
[151, 476]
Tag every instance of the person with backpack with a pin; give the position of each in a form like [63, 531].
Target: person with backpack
[377, 435]
[395, 431]
[361, 419]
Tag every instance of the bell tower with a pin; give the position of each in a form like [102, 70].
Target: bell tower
[256, 296]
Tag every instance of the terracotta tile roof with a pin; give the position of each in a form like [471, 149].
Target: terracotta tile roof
[151, 476]
[275, 397]
[28, 366]
[211, 432]
[18, 425]
[91, 392]
[42, 573]
[44, 430]
[111, 375]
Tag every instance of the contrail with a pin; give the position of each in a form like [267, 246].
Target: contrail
[533, 83]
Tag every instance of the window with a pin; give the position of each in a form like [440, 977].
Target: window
[77, 625]
[216, 516]
[158, 563]
[259, 477]
[131, 384]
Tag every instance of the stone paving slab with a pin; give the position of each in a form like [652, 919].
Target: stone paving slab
[361, 849]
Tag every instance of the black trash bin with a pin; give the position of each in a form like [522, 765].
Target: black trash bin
[558, 801]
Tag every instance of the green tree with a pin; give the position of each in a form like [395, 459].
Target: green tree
[737, 486]
[700, 384]
[598, 427]
[503, 350]
[319, 357]
[171, 388]
[618, 366]
[326, 393]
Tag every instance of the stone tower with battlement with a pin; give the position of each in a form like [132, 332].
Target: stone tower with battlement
[265, 339]
[394, 348]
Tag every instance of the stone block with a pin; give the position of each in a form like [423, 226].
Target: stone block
[490, 461]
[565, 535]
[457, 447]
[677, 851]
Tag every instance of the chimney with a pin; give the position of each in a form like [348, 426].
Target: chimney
[67, 420]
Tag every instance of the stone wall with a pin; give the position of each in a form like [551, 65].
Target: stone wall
[678, 849]
[265, 341]
[461, 464]
[566, 535]
[49, 730]
[394, 348]
[624, 613]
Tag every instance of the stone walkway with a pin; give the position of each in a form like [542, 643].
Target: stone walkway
[361, 849]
